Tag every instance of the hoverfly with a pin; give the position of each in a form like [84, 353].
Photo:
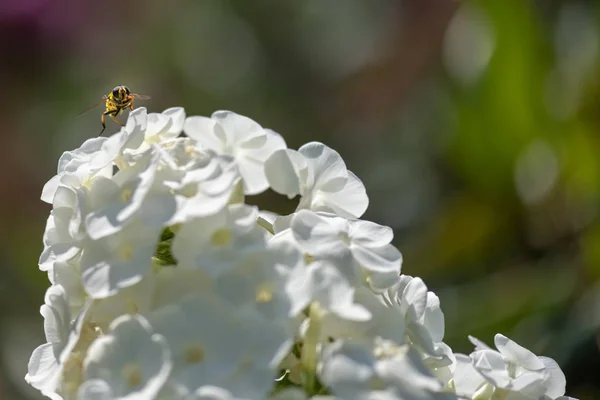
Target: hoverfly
[116, 101]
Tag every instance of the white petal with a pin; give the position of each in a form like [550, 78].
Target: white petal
[282, 223]
[529, 384]
[519, 354]
[42, 367]
[157, 123]
[434, 318]
[119, 261]
[95, 389]
[50, 188]
[350, 202]
[334, 292]
[253, 174]
[177, 115]
[238, 128]
[479, 345]
[70, 159]
[466, 378]
[315, 234]
[490, 364]
[556, 381]
[202, 129]
[111, 211]
[135, 128]
[414, 297]
[328, 167]
[347, 368]
[130, 342]
[384, 259]
[212, 393]
[274, 142]
[282, 171]
[366, 233]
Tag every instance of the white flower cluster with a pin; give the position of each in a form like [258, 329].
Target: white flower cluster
[165, 284]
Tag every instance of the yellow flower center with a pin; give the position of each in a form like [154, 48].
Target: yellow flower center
[221, 237]
[264, 295]
[126, 194]
[131, 306]
[125, 251]
[88, 182]
[344, 237]
[194, 354]
[132, 375]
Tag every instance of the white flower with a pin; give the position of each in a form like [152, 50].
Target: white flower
[48, 361]
[74, 169]
[132, 300]
[360, 249]
[161, 128]
[95, 157]
[131, 136]
[421, 312]
[215, 243]
[240, 137]
[115, 202]
[64, 228]
[214, 343]
[182, 291]
[67, 274]
[513, 368]
[202, 182]
[319, 175]
[267, 343]
[171, 285]
[205, 342]
[333, 292]
[131, 360]
[118, 261]
[383, 322]
[469, 383]
[273, 282]
[355, 370]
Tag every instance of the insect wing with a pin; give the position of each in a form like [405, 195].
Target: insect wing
[92, 106]
[141, 96]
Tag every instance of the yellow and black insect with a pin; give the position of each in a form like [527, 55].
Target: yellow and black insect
[116, 101]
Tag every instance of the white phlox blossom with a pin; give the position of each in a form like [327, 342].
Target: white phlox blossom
[201, 182]
[64, 228]
[361, 250]
[228, 133]
[319, 175]
[218, 241]
[511, 372]
[167, 284]
[96, 156]
[48, 362]
[160, 128]
[378, 370]
[422, 314]
[130, 360]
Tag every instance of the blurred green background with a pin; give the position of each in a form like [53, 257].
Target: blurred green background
[475, 127]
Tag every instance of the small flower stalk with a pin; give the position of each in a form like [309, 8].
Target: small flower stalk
[166, 284]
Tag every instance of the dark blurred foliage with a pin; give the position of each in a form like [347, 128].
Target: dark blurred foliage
[475, 127]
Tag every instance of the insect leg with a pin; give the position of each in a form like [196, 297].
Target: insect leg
[113, 117]
[103, 124]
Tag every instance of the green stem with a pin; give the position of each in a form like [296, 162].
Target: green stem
[309, 348]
